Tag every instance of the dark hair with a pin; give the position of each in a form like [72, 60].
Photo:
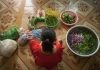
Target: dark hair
[48, 36]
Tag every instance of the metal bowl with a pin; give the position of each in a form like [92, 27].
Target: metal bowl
[79, 37]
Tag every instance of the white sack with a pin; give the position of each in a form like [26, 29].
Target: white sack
[7, 47]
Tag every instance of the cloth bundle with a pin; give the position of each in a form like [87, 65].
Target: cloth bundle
[24, 38]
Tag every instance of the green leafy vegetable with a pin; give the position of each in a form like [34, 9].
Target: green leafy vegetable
[11, 33]
[51, 21]
[34, 21]
[68, 18]
[84, 42]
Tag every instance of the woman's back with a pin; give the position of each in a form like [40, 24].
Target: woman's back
[46, 60]
[48, 51]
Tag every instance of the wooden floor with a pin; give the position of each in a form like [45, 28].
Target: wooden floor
[16, 12]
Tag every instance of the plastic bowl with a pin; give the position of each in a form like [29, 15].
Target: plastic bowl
[71, 14]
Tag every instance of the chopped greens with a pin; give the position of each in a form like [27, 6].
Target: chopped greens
[83, 42]
[51, 21]
[67, 18]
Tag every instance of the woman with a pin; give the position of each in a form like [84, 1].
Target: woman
[48, 51]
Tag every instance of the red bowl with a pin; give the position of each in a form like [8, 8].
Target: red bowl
[70, 13]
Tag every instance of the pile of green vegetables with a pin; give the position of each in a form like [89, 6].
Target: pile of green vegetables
[34, 21]
[86, 45]
[51, 21]
[67, 18]
[11, 33]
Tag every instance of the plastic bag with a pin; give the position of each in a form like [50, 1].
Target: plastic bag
[21, 31]
[11, 33]
[7, 47]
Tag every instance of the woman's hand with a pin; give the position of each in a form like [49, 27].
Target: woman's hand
[29, 36]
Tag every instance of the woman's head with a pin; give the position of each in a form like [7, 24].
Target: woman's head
[48, 37]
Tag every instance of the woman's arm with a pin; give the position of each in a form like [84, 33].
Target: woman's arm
[34, 45]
